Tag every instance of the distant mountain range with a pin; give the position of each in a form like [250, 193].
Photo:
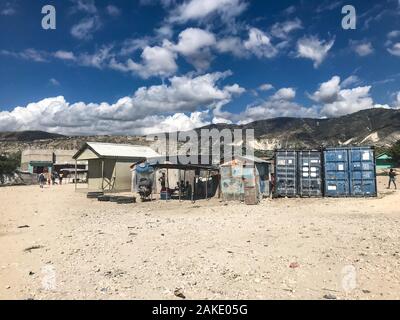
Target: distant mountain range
[28, 136]
[379, 127]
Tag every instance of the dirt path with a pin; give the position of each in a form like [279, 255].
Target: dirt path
[76, 248]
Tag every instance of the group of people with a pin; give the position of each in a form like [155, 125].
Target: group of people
[183, 189]
[50, 178]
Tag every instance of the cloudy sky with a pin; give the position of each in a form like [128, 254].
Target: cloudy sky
[138, 67]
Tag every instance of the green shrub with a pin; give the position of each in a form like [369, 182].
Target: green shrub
[394, 151]
[9, 163]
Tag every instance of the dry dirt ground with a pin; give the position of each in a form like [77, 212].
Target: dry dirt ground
[70, 247]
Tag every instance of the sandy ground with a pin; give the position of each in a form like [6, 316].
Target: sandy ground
[281, 249]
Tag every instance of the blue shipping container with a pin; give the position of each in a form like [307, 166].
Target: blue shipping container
[285, 173]
[310, 173]
[336, 164]
[362, 171]
[350, 172]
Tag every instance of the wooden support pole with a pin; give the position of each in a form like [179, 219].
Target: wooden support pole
[167, 191]
[102, 175]
[208, 174]
[194, 188]
[184, 180]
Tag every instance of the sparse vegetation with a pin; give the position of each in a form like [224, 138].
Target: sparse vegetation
[9, 163]
[394, 151]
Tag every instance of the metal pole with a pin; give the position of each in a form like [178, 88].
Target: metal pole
[76, 169]
[180, 187]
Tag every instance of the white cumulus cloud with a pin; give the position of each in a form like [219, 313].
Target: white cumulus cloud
[260, 44]
[283, 29]
[280, 104]
[65, 55]
[362, 48]
[266, 87]
[150, 109]
[156, 61]
[395, 49]
[86, 27]
[195, 45]
[113, 11]
[313, 48]
[201, 9]
[333, 101]
[8, 9]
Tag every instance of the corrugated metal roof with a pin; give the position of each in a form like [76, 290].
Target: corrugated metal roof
[252, 159]
[384, 156]
[247, 158]
[122, 150]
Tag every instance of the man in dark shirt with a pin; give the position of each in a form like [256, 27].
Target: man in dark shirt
[392, 178]
[162, 181]
[42, 180]
[188, 191]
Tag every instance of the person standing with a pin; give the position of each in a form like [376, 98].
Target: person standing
[392, 178]
[60, 177]
[49, 178]
[188, 191]
[272, 185]
[162, 181]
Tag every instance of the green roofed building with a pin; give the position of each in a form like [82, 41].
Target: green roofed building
[385, 161]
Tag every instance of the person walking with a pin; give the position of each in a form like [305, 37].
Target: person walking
[42, 180]
[392, 178]
[60, 177]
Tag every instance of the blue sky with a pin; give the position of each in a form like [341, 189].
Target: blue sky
[136, 67]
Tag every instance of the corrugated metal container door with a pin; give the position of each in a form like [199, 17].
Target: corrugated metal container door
[310, 173]
[362, 172]
[336, 173]
[286, 173]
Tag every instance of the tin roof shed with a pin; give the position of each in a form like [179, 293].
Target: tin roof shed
[97, 150]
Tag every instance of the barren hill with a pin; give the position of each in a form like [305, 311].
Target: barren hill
[379, 127]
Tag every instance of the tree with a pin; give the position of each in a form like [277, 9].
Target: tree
[9, 163]
[394, 151]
